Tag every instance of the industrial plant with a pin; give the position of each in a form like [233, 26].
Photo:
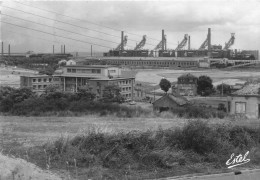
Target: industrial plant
[183, 49]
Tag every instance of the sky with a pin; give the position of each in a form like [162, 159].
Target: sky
[38, 25]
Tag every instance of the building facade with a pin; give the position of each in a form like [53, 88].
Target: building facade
[186, 85]
[246, 101]
[72, 77]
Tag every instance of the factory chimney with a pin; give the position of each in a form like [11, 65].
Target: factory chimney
[163, 43]
[61, 49]
[53, 49]
[209, 42]
[64, 49]
[9, 49]
[189, 43]
[2, 49]
[122, 41]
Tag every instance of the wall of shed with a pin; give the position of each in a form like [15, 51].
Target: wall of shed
[252, 104]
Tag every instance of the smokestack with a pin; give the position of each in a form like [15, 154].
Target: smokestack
[9, 50]
[53, 49]
[209, 42]
[122, 41]
[64, 49]
[61, 49]
[2, 49]
[163, 40]
[189, 43]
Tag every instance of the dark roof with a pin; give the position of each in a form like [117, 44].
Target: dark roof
[248, 90]
[188, 75]
[180, 100]
[184, 59]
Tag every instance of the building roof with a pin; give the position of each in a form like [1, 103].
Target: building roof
[36, 75]
[188, 75]
[180, 100]
[249, 90]
[91, 66]
[146, 58]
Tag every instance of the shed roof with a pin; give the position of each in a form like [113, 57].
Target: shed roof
[180, 100]
[248, 90]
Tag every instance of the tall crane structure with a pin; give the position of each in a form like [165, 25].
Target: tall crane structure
[183, 42]
[160, 45]
[141, 43]
[230, 42]
[204, 44]
[119, 47]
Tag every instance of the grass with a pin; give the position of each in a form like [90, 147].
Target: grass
[24, 136]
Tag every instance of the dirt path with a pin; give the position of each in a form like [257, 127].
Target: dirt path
[19, 169]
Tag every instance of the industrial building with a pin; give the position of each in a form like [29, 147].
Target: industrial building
[207, 49]
[70, 78]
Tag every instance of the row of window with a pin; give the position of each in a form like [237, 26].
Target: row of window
[155, 63]
[88, 71]
[35, 80]
[126, 89]
[124, 82]
[39, 86]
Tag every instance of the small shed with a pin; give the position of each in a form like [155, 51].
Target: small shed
[246, 101]
[169, 102]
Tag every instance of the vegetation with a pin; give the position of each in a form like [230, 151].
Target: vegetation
[224, 88]
[45, 65]
[165, 85]
[111, 93]
[205, 86]
[136, 154]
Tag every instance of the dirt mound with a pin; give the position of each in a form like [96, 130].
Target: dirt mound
[15, 168]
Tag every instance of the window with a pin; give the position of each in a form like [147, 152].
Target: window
[73, 70]
[34, 80]
[50, 80]
[44, 86]
[44, 80]
[39, 80]
[96, 71]
[39, 86]
[34, 86]
[68, 70]
[240, 107]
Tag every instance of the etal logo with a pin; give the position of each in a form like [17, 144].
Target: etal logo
[237, 160]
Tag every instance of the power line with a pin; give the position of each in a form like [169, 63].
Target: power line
[68, 23]
[60, 21]
[56, 35]
[58, 28]
[87, 21]
[53, 41]
[68, 16]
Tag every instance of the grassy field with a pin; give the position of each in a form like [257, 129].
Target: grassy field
[31, 131]
[18, 134]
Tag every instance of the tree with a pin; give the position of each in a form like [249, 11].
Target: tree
[165, 85]
[205, 86]
[111, 93]
[225, 88]
[85, 94]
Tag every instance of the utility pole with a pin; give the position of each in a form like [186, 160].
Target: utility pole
[91, 50]
[153, 94]
[2, 54]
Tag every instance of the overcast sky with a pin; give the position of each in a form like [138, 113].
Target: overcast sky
[136, 18]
